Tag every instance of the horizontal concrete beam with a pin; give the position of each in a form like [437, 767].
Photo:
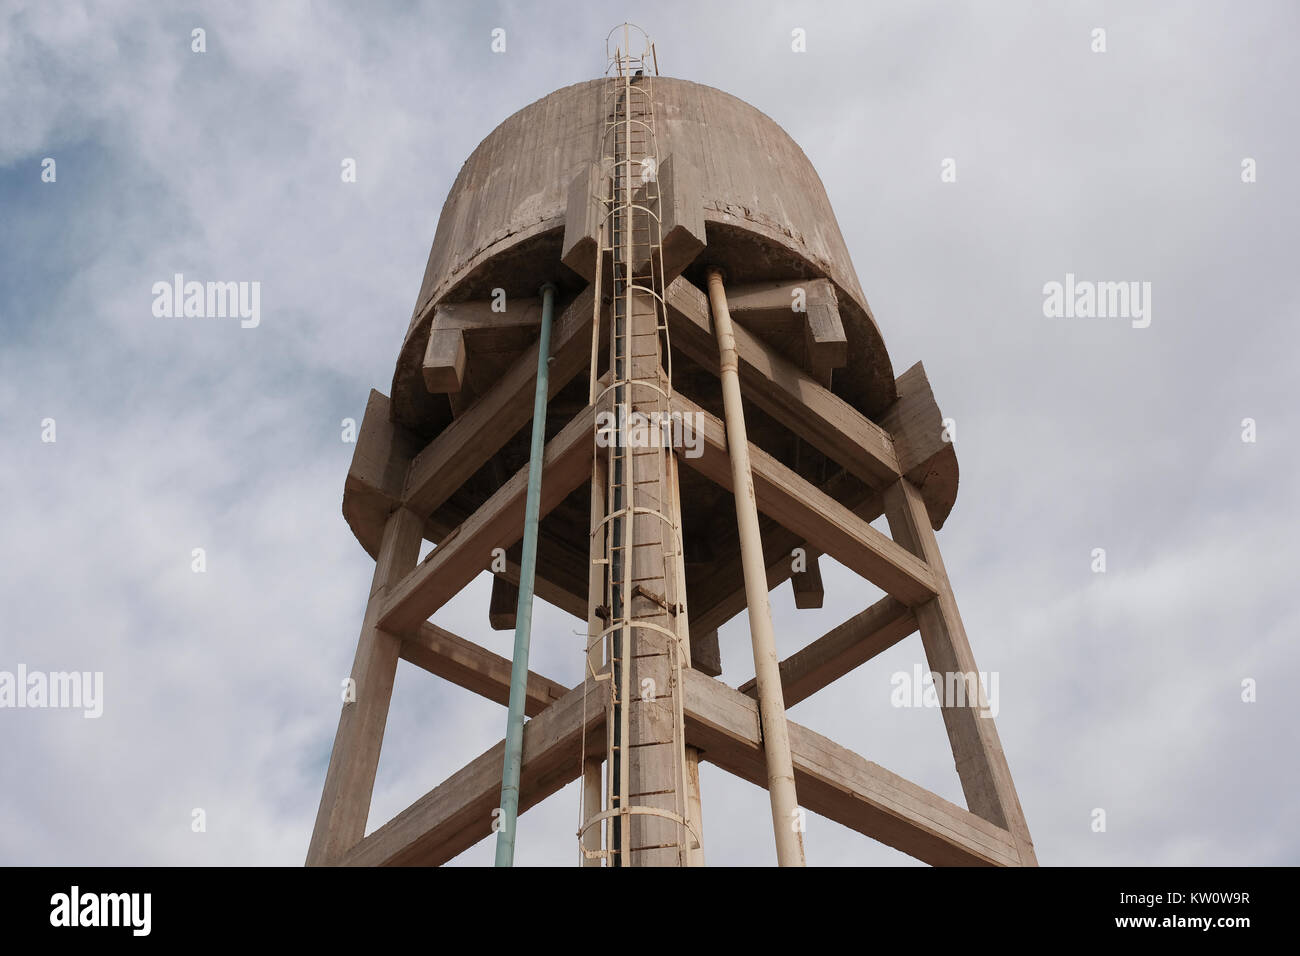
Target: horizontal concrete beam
[840, 650]
[475, 668]
[457, 813]
[498, 523]
[840, 785]
[785, 391]
[727, 578]
[723, 723]
[474, 436]
[796, 503]
[809, 307]
[373, 490]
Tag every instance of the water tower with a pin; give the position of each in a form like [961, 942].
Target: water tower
[642, 383]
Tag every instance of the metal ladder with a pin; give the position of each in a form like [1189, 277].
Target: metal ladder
[643, 626]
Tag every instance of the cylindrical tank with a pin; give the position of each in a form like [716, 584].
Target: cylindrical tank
[766, 212]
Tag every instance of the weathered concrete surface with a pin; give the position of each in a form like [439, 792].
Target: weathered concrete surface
[766, 212]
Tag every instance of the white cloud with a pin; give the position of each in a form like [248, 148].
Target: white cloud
[1119, 691]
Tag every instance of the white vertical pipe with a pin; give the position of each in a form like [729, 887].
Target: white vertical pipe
[771, 703]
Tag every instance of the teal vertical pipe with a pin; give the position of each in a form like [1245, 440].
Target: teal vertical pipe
[524, 610]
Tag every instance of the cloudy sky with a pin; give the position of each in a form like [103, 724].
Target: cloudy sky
[1119, 690]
